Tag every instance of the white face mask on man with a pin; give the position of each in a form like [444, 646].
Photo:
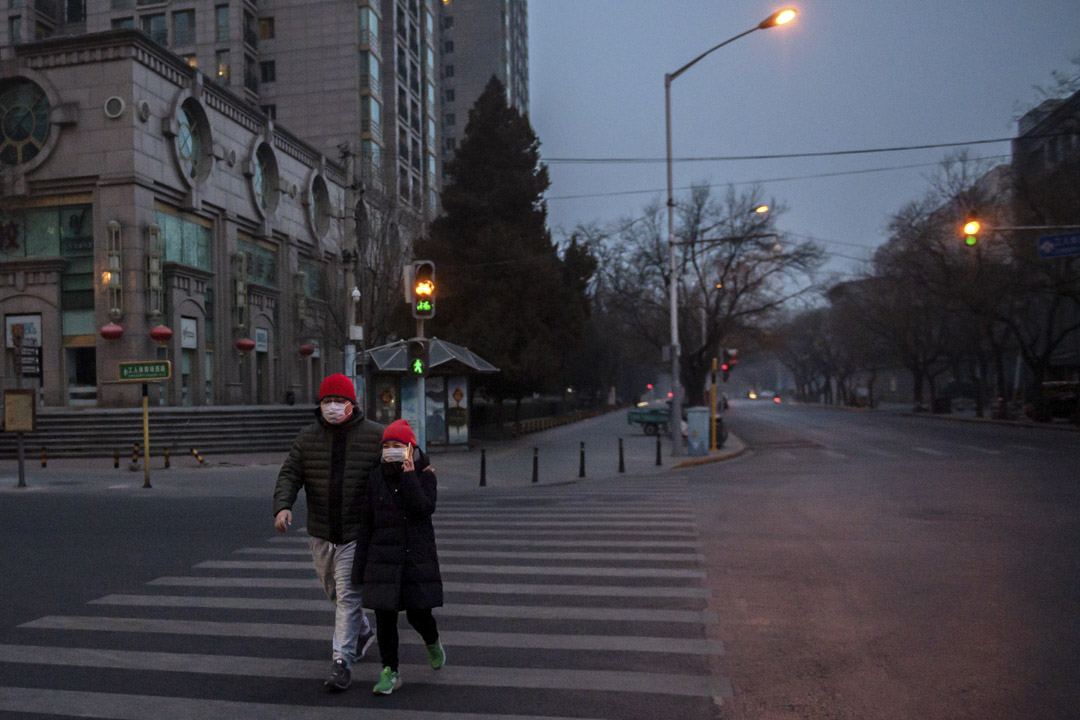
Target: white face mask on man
[336, 412]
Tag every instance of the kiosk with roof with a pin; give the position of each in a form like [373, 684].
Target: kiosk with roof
[436, 404]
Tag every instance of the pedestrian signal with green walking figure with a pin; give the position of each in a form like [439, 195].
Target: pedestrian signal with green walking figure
[331, 459]
[396, 559]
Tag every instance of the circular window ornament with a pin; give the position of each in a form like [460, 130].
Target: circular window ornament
[114, 107]
[192, 143]
[265, 182]
[319, 207]
[142, 109]
[24, 121]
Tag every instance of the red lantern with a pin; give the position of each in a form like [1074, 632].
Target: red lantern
[245, 345]
[112, 331]
[161, 334]
[306, 350]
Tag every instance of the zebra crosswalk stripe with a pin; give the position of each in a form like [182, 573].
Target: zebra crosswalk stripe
[526, 612]
[117, 706]
[577, 679]
[617, 591]
[536, 641]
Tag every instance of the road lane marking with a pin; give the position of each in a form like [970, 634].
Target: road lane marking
[982, 450]
[485, 569]
[555, 532]
[459, 541]
[597, 523]
[140, 707]
[623, 681]
[616, 591]
[879, 452]
[518, 612]
[548, 514]
[536, 641]
[445, 552]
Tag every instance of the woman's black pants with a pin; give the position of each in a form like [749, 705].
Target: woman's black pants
[386, 630]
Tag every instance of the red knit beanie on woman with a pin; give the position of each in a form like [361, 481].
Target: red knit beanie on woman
[399, 430]
[337, 385]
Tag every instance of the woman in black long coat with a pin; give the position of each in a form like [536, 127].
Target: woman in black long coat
[395, 554]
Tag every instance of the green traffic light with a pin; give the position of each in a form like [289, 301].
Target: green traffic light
[423, 305]
[418, 366]
[971, 240]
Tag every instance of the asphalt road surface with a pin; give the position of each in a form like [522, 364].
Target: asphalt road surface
[846, 566]
[878, 566]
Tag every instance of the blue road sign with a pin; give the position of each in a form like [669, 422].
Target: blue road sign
[1055, 246]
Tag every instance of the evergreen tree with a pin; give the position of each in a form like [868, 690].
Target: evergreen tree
[503, 291]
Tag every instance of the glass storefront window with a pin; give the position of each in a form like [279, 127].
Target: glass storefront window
[185, 242]
[312, 279]
[262, 266]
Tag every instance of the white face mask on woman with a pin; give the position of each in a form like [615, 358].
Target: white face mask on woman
[394, 454]
[336, 412]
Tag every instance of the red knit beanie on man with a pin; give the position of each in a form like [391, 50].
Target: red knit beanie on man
[337, 386]
[399, 430]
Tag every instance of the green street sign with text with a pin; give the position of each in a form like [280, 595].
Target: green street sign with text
[145, 370]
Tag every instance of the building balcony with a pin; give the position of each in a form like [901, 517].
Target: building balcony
[372, 129]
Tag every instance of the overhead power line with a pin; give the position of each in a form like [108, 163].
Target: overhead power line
[784, 156]
[769, 180]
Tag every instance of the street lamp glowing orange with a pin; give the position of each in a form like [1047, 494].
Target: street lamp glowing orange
[761, 209]
[781, 17]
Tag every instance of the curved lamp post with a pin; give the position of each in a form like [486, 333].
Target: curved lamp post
[781, 17]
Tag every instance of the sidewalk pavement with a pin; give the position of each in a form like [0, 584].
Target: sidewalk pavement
[509, 463]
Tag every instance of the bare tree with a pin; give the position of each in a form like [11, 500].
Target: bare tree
[733, 269]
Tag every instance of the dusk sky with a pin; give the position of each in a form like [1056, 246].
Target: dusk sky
[846, 74]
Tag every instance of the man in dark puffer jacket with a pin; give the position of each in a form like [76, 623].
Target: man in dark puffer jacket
[332, 459]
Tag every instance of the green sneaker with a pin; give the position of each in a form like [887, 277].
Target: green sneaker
[436, 655]
[389, 681]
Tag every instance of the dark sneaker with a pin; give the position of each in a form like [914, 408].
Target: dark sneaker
[340, 677]
[436, 655]
[364, 642]
[389, 681]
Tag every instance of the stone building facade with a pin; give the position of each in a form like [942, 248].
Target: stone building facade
[137, 194]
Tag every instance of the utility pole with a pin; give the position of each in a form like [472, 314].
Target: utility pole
[349, 256]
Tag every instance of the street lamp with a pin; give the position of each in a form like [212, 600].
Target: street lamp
[781, 17]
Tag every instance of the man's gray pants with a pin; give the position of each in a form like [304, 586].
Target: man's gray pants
[333, 565]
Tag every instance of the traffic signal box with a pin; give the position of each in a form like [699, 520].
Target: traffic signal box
[417, 357]
[971, 232]
[731, 359]
[423, 304]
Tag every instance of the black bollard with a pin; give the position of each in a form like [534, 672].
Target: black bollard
[622, 465]
[115, 458]
[581, 466]
[483, 467]
[166, 457]
[197, 456]
[536, 466]
[44, 461]
[658, 461]
[135, 454]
